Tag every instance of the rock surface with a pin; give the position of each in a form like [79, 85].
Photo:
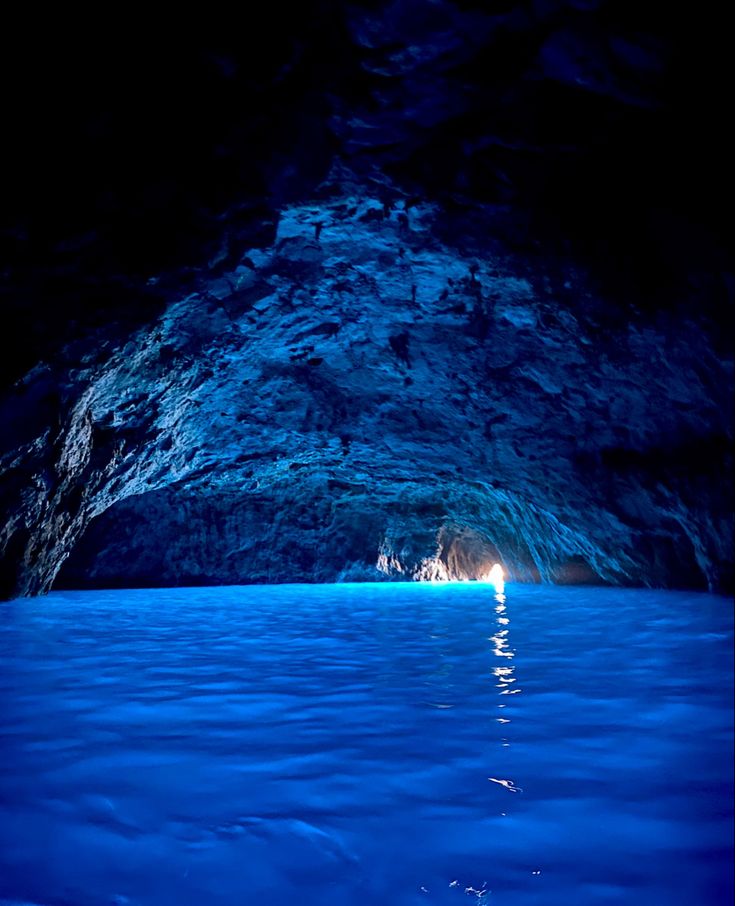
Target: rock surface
[452, 316]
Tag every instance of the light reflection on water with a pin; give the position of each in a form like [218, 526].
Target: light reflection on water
[374, 744]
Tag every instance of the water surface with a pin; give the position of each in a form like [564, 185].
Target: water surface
[366, 744]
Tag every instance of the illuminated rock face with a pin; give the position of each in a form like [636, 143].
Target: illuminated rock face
[306, 442]
[443, 322]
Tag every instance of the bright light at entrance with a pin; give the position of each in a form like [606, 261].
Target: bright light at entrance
[497, 578]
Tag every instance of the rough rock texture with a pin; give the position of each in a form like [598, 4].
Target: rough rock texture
[344, 404]
[464, 298]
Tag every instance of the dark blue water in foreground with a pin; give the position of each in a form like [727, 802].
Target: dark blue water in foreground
[392, 744]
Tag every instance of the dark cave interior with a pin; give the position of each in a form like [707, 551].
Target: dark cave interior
[378, 290]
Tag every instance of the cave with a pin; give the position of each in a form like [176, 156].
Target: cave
[366, 295]
[434, 290]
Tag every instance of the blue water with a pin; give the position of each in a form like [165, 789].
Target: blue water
[366, 744]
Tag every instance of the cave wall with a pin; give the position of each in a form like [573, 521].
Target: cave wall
[376, 377]
[333, 532]
[364, 290]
